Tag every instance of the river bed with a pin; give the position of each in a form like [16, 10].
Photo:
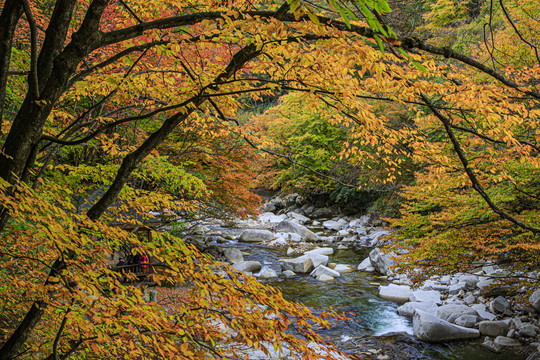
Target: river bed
[376, 331]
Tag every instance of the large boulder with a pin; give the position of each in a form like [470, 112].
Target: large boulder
[499, 305]
[334, 225]
[380, 262]
[300, 265]
[233, 255]
[255, 235]
[323, 270]
[365, 265]
[298, 217]
[506, 341]
[466, 320]
[268, 274]
[288, 226]
[409, 308]
[321, 212]
[430, 328]
[271, 218]
[248, 266]
[426, 295]
[317, 259]
[534, 299]
[453, 311]
[322, 251]
[493, 328]
[395, 292]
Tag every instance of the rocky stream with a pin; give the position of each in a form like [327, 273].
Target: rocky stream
[322, 259]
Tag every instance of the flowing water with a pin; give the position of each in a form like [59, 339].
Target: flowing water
[375, 331]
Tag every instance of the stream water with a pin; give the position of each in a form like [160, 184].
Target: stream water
[376, 331]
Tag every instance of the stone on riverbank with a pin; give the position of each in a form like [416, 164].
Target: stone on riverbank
[409, 308]
[453, 311]
[380, 262]
[534, 299]
[395, 292]
[287, 226]
[255, 235]
[493, 328]
[506, 341]
[426, 295]
[430, 328]
[499, 305]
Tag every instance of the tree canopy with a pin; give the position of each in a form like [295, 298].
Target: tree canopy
[141, 99]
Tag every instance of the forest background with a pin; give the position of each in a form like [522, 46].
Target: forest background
[427, 114]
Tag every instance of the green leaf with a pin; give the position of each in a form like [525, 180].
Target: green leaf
[379, 41]
[419, 66]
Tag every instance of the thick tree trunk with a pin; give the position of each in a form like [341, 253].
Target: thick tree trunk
[9, 18]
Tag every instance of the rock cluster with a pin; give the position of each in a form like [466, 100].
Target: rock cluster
[443, 308]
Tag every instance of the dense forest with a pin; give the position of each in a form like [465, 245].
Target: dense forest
[126, 111]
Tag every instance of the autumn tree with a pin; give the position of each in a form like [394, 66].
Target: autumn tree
[111, 83]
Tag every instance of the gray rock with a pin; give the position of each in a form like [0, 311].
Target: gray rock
[334, 225]
[484, 284]
[324, 278]
[380, 262]
[466, 320]
[469, 299]
[516, 323]
[493, 328]
[321, 212]
[322, 251]
[527, 330]
[233, 255]
[456, 288]
[364, 264]
[395, 292]
[271, 218]
[323, 270]
[300, 265]
[423, 295]
[288, 273]
[499, 305]
[446, 311]
[506, 341]
[490, 345]
[430, 328]
[341, 268]
[534, 356]
[317, 259]
[268, 274]
[298, 217]
[255, 235]
[470, 280]
[534, 299]
[486, 315]
[248, 266]
[291, 227]
[409, 308]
